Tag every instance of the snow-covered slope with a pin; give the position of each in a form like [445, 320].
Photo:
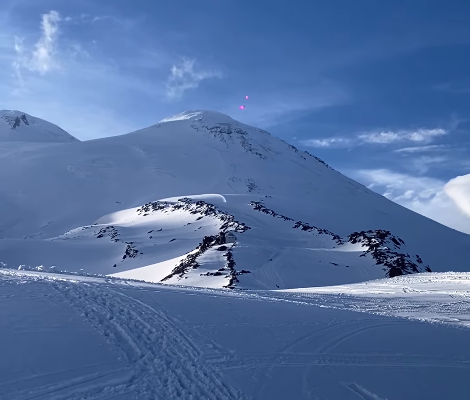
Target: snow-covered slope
[17, 126]
[297, 222]
[202, 242]
[76, 338]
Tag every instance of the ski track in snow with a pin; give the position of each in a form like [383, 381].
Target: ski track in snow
[362, 392]
[163, 362]
[328, 338]
[338, 359]
[268, 272]
[456, 312]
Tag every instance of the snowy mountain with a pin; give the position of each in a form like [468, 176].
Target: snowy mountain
[16, 126]
[194, 205]
[200, 199]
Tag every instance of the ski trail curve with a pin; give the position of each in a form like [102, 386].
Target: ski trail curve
[165, 364]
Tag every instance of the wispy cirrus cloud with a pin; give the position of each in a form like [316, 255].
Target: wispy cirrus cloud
[421, 159]
[422, 149]
[378, 137]
[185, 76]
[89, 19]
[424, 163]
[92, 19]
[42, 57]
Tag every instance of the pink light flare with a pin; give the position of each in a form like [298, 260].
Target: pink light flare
[241, 107]
[246, 97]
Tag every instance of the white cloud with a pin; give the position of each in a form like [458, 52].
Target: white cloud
[42, 57]
[458, 189]
[421, 149]
[328, 142]
[379, 137]
[433, 198]
[417, 136]
[184, 77]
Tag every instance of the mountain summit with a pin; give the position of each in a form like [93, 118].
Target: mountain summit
[201, 199]
[201, 115]
[17, 126]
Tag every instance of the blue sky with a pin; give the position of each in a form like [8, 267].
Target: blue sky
[380, 90]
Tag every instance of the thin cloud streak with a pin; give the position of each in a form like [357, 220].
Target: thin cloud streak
[422, 149]
[378, 138]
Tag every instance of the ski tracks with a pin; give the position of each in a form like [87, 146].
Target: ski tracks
[163, 362]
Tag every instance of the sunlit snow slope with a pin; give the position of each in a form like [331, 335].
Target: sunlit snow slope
[155, 205]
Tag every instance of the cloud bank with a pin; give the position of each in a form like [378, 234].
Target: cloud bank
[445, 202]
[458, 189]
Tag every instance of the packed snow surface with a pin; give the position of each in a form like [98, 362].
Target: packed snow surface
[71, 337]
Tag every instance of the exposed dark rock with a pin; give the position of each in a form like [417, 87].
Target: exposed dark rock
[190, 261]
[15, 122]
[231, 267]
[110, 231]
[259, 206]
[318, 159]
[217, 273]
[385, 250]
[131, 251]
[228, 133]
[251, 185]
[310, 228]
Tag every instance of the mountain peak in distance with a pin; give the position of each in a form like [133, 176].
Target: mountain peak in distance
[17, 126]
